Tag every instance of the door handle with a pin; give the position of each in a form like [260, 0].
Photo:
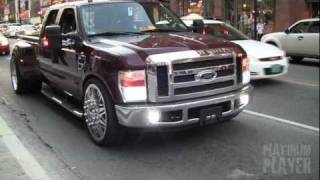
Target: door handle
[81, 61]
[300, 37]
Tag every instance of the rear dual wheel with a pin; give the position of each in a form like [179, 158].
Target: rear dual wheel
[21, 85]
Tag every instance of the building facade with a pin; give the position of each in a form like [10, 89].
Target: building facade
[277, 14]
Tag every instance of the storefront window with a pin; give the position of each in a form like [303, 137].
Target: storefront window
[241, 13]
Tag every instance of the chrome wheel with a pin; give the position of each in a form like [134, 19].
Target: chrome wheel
[14, 78]
[95, 112]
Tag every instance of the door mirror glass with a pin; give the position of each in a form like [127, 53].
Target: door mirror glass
[53, 37]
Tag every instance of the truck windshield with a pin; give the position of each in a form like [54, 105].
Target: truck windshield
[129, 17]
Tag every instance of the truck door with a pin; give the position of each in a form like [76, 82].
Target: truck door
[66, 61]
[297, 40]
[45, 53]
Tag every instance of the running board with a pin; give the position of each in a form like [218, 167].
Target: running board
[63, 102]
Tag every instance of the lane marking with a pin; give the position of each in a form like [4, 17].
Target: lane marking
[29, 164]
[284, 121]
[298, 82]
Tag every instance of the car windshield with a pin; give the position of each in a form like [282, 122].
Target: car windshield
[225, 32]
[122, 18]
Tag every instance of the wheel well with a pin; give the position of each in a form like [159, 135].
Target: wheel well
[99, 79]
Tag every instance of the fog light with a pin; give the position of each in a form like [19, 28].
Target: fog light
[244, 99]
[154, 116]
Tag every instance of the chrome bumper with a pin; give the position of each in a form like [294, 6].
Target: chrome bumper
[139, 116]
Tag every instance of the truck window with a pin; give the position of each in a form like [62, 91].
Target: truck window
[51, 17]
[68, 21]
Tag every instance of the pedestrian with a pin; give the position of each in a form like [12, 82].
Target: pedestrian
[260, 29]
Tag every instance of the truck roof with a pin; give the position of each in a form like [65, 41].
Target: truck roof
[85, 2]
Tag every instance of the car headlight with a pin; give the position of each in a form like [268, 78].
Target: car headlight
[132, 85]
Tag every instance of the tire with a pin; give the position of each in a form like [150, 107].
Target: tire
[99, 114]
[296, 59]
[19, 84]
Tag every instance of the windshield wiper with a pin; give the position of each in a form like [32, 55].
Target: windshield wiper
[162, 30]
[115, 34]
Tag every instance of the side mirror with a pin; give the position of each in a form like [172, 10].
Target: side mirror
[198, 25]
[287, 31]
[53, 34]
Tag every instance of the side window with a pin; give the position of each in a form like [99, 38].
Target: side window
[302, 27]
[51, 17]
[315, 27]
[68, 21]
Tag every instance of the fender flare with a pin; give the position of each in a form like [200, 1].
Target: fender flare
[26, 60]
[104, 82]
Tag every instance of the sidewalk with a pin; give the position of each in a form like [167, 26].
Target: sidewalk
[16, 162]
[10, 169]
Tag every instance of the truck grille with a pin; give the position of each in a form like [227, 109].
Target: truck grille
[188, 79]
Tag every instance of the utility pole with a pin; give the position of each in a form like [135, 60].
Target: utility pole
[19, 10]
[256, 13]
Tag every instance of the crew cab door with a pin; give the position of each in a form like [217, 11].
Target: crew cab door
[297, 40]
[69, 57]
[313, 38]
[46, 53]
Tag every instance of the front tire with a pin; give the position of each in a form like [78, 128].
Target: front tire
[99, 114]
[296, 59]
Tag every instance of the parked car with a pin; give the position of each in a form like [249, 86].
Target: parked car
[4, 45]
[127, 70]
[29, 30]
[11, 31]
[299, 41]
[266, 61]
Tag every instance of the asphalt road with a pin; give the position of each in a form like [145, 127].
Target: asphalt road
[255, 145]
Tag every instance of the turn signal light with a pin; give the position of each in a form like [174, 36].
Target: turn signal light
[132, 78]
[45, 42]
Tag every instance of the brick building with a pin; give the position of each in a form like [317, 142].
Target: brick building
[278, 14]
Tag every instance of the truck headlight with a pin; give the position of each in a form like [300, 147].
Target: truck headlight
[133, 86]
[245, 70]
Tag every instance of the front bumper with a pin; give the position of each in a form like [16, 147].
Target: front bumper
[144, 116]
[258, 68]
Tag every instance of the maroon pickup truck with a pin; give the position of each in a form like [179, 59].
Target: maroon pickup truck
[131, 64]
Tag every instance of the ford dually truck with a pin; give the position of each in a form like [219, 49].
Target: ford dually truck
[130, 64]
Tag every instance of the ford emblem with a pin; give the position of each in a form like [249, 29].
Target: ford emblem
[207, 75]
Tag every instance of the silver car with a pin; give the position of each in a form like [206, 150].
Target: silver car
[299, 41]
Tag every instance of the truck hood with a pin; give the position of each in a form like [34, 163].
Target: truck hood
[158, 43]
[259, 50]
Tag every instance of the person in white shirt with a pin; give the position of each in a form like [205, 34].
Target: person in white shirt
[260, 29]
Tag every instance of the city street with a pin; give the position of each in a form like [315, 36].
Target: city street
[276, 137]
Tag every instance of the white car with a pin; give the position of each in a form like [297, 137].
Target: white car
[299, 41]
[28, 30]
[265, 61]
[11, 32]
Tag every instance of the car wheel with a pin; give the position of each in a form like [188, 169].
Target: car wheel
[296, 59]
[99, 114]
[19, 84]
